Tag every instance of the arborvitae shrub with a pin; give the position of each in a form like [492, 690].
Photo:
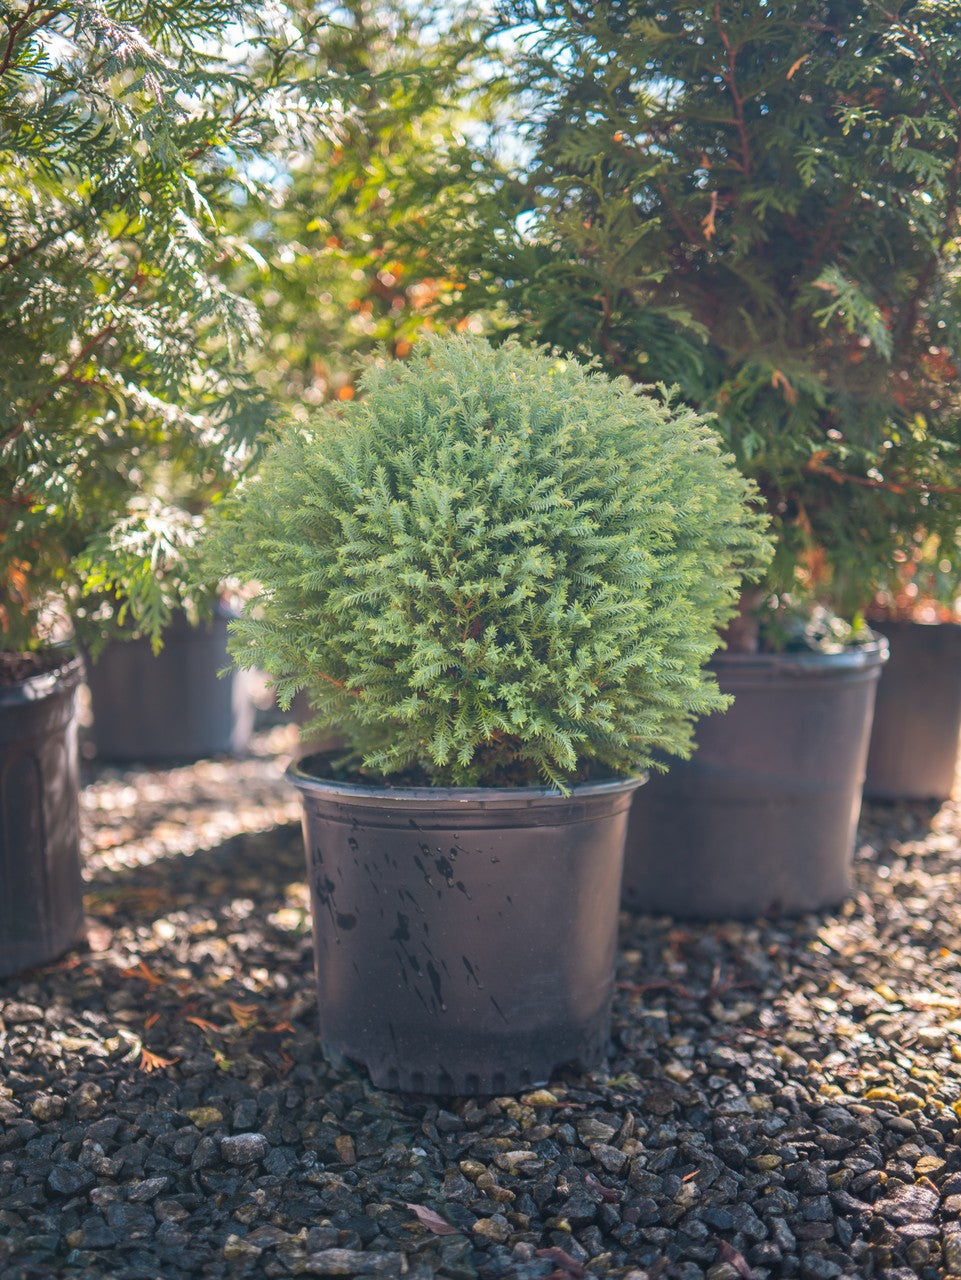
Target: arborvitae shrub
[497, 566]
[758, 201]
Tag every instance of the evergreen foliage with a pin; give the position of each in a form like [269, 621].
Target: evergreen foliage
[758, 202]
[496, 567]
[339, 230]
[125, 137]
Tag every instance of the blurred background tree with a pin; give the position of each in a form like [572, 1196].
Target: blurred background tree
[759, 203]
[350, 265]
[128, 134]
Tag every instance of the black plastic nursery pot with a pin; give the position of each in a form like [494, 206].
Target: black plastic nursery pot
[917, 718]
[41, 893]
[171, 705]
[464, 938]
[763, 817]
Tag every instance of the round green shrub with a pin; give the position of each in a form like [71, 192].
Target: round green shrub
[496, 567]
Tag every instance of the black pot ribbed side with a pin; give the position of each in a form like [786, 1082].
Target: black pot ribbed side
[41, 893]
[763, 816]
[464, 938]
[172, 705]
[917, 717]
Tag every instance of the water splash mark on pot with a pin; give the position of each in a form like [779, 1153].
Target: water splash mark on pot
[446, 869]
[402, 932]
[324, 889]
[465, 891]
[346, 920]
[438, 960]
[436, 984]
[499, 1010]
[472, 973]
[425, 850]
[406, 895]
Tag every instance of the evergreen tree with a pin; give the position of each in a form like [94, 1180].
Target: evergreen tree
[494, 567]
[759, 203]
[127, 132]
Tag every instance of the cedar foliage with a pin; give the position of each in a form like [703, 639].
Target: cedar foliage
[758, 202]
[497, 566]
[125, 137]
[345, 274]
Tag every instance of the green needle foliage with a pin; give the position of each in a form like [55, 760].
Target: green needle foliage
[345, 277]
[758, 202]
[496, 567]
[125, 139]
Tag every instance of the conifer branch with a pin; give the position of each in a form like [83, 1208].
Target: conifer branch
[817, 466]
[729, 76]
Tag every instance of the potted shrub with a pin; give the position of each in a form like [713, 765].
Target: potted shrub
[499, 575]
[120, 360]
[758, 203]
[916, 738]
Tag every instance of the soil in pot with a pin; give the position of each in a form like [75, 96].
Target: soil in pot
[763, 817]
[917, 718]
[464, 938]
[41, 893]
[172, 705]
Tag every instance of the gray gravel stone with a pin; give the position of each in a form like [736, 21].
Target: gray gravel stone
[68, 1178]
[148, 1189]
[350, 1262]
[908, 1204]
[244, 1148]
[814, 1266]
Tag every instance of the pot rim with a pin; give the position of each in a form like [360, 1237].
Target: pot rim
[65, 676]
[361, 791]
[855, 657]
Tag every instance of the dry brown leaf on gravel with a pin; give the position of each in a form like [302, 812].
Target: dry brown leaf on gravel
[204, 1025]
[140, 970]
[153, 1061]
[727, 1253]
[245, 1015]
[431, 1220]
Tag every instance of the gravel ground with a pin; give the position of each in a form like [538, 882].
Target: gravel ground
[783, 1097]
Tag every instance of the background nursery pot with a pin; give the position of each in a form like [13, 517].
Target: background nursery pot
[41, 902]
[464, 937]
[917, 717]
[171, 705]
[763, 816]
